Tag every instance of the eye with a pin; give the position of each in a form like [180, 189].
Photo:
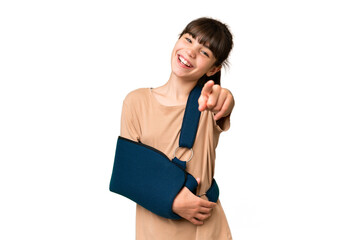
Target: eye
[205, 53]
[188, 39]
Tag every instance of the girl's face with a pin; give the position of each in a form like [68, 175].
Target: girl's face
[191, 60]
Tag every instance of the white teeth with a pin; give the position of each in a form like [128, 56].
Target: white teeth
[184, 61]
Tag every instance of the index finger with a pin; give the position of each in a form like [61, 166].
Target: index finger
[207, 89]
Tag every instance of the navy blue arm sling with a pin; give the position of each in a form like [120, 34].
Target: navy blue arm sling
[148, 177]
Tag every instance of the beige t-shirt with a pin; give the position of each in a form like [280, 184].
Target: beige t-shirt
[144, 119]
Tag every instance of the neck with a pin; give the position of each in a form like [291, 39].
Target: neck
[178, 88]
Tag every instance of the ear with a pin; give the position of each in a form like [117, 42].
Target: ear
[213, 70]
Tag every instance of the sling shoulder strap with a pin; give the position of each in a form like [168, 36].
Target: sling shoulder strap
[191, 119]
[187, 137]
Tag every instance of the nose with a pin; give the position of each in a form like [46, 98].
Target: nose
[191, 52]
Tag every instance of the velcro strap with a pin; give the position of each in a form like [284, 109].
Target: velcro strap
[213, 193]
[191, 183]
[181, 164]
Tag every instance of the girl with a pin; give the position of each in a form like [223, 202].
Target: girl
[153, 116]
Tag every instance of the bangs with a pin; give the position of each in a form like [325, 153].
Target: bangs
[206, 37]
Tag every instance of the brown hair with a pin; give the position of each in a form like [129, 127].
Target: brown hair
[217, 36]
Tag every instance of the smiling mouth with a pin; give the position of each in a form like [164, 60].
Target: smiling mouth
[184, 62]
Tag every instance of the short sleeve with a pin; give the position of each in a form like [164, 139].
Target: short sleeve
[223, 124]
[130, 126]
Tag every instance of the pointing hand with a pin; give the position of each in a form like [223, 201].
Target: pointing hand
[216, 99]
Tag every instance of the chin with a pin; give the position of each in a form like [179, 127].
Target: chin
[180, 73]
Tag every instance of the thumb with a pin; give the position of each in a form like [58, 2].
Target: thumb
[198, 181]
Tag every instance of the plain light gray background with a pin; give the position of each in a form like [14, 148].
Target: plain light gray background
[288, 168]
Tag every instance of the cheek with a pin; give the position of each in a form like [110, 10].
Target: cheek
[206, 65]
[177, 45]
[173, 51]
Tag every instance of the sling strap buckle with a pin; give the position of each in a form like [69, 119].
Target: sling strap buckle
[192, 153]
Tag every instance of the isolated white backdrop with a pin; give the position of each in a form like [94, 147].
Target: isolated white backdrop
[288, 168]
